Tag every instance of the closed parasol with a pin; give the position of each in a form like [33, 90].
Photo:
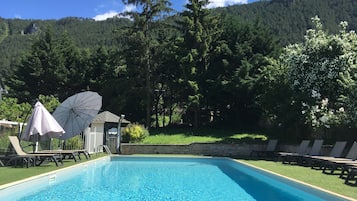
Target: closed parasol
[77, 112]
[41, 126]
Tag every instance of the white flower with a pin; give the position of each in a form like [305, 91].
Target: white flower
[324, 119]
[315, 94]
[324, 102]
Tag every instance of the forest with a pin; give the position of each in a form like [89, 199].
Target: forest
[283, 66]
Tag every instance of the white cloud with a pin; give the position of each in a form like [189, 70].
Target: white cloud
[222, 3]
[106, 15]
[113, 13]
[129, 8]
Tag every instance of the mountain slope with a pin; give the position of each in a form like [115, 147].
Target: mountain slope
[289, 19]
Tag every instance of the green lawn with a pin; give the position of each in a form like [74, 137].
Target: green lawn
[11, 174]
[307, 175]
[185, 136]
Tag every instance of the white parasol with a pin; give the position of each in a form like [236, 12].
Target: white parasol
[41, 126]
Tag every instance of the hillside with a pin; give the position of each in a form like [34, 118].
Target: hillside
[287, 19]
[17, 35]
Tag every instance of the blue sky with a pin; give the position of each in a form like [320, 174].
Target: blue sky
[96, 9]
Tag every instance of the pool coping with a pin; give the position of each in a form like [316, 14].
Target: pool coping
[105, 158]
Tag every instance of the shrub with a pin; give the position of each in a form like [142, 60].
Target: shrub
[134, 133]
[75, 142]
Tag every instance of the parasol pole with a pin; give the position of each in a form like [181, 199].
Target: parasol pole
[122, 116]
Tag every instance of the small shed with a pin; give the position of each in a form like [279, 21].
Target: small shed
[103, 131]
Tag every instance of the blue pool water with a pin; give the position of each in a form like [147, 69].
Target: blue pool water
[162, 178]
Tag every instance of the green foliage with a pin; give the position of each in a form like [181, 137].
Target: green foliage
[4, 31]
[134, 133]
[12, 110]
[322, 72]
[142, 41]
[50, 102]
[51, 65]
[276, 96]
[73, 143]
[200, 32]
[289, 19]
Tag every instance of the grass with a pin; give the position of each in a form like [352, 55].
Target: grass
[307, 175]
[11, 174]
[184, 136]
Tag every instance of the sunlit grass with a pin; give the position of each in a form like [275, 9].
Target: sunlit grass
[181, 136]
[10, 174]
[184, 139]
[178, 139]
[307, 175]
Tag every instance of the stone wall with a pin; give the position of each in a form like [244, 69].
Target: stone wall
[207, 149]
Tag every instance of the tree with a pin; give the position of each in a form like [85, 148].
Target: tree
[75, 66]
[11, 110]
[142, 44]
[43, 71]
[236, 69]
[322, 73]
[200, 31]
[102, 68]
[52, 67]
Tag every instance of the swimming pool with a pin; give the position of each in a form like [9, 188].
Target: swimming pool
[162, 178]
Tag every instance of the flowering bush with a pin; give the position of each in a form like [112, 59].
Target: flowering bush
[320, 115]
[134, 133]
[323, 73]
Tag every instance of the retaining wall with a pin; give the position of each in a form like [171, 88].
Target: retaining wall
[208, 149]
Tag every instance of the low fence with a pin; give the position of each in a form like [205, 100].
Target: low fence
[207, 149]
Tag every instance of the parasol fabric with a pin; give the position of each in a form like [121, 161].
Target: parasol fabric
[41, 125]
[77, 112]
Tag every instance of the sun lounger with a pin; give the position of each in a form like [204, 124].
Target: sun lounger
[37, 158]
[337, 151]
[351, 174]
[301, 150]
[3, 158]
[269, 151]
[68, 153]
[333, 164]
[315, 150]
[287, 157]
